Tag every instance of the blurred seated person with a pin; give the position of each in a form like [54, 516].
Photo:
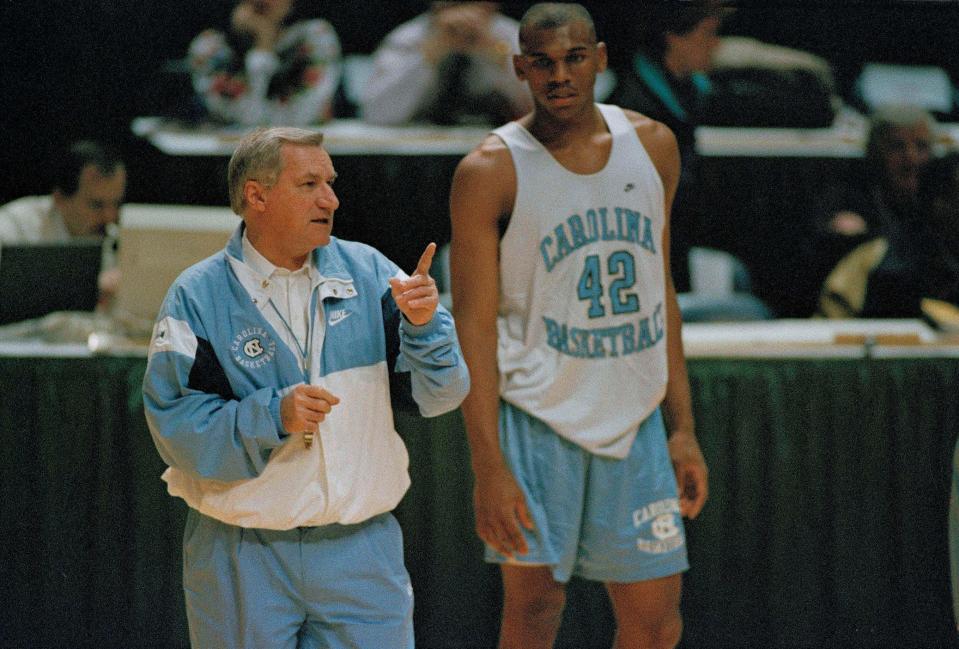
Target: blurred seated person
[667, 77]
[268, 67]
[882, 201]
[89, 183]
[912, 272]
[667, 82]
[450, 65]
[88, 187]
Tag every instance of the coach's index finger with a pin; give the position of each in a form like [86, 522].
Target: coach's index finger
[426, 260]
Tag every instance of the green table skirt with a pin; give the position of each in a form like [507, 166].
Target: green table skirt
[826, 524]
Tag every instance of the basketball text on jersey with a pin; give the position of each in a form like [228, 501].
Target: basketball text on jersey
[606, 342]
[573, 234]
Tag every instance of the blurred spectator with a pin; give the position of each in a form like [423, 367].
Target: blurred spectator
[667, 82]
[88, 187]
[450, 65]
[911, 272]
[898, 147]
[268, 67]
[89, 183]
[880, 203]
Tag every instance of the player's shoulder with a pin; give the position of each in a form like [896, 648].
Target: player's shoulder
[484, 181]
[650, 131]
[491, 157]
[491, 151]
[659, 142]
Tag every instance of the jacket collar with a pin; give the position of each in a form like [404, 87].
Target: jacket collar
[329, 271]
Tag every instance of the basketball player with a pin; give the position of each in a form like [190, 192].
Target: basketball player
[568, 320]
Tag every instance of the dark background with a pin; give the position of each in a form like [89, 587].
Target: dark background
[79, 68]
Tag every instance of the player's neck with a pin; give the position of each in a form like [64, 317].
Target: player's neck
[554, 132]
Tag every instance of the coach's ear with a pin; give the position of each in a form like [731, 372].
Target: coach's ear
[255, 195]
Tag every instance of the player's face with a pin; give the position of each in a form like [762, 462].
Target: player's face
[299, 206]
[560, 65]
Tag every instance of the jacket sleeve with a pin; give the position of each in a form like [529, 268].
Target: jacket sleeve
[198, 424]
[431, 353]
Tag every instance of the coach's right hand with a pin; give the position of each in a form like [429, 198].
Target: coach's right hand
[304, 407]
[500, 509]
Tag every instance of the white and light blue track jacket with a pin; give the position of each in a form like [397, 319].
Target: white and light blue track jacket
[218, 369]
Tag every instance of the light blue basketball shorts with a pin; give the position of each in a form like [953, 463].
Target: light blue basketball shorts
[596, 517]
[332, 586]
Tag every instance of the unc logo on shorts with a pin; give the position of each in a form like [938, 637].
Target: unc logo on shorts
[664, 526]
[661, 520]
[253, 348]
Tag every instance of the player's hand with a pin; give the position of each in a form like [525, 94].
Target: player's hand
[500, 510]
[691, 473]
[417, 296]
[304, 407]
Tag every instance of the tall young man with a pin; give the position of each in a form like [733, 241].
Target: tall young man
[568, 320]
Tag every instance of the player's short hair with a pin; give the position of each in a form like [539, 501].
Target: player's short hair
[550, 15]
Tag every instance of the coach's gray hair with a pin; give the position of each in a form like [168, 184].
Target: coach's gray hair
[257, 157]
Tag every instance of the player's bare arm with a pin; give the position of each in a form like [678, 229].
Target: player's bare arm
[688, 461]
[483, 192]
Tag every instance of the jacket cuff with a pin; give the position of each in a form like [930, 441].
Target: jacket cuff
[416, 331]
[277, 420]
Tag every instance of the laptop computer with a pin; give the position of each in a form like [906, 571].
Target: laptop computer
[156, 244]
[37, 279]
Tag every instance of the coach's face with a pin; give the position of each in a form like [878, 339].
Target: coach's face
[289, 218]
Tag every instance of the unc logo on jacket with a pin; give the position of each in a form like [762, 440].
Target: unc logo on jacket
[253, 347]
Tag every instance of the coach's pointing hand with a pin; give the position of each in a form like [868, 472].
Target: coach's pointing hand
[417, 296]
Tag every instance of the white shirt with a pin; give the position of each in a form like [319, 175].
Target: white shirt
[403, 82]
[288, 309]
[35, 219]
[32, 219]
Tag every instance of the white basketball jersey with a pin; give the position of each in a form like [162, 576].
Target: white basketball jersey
[582, 315]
